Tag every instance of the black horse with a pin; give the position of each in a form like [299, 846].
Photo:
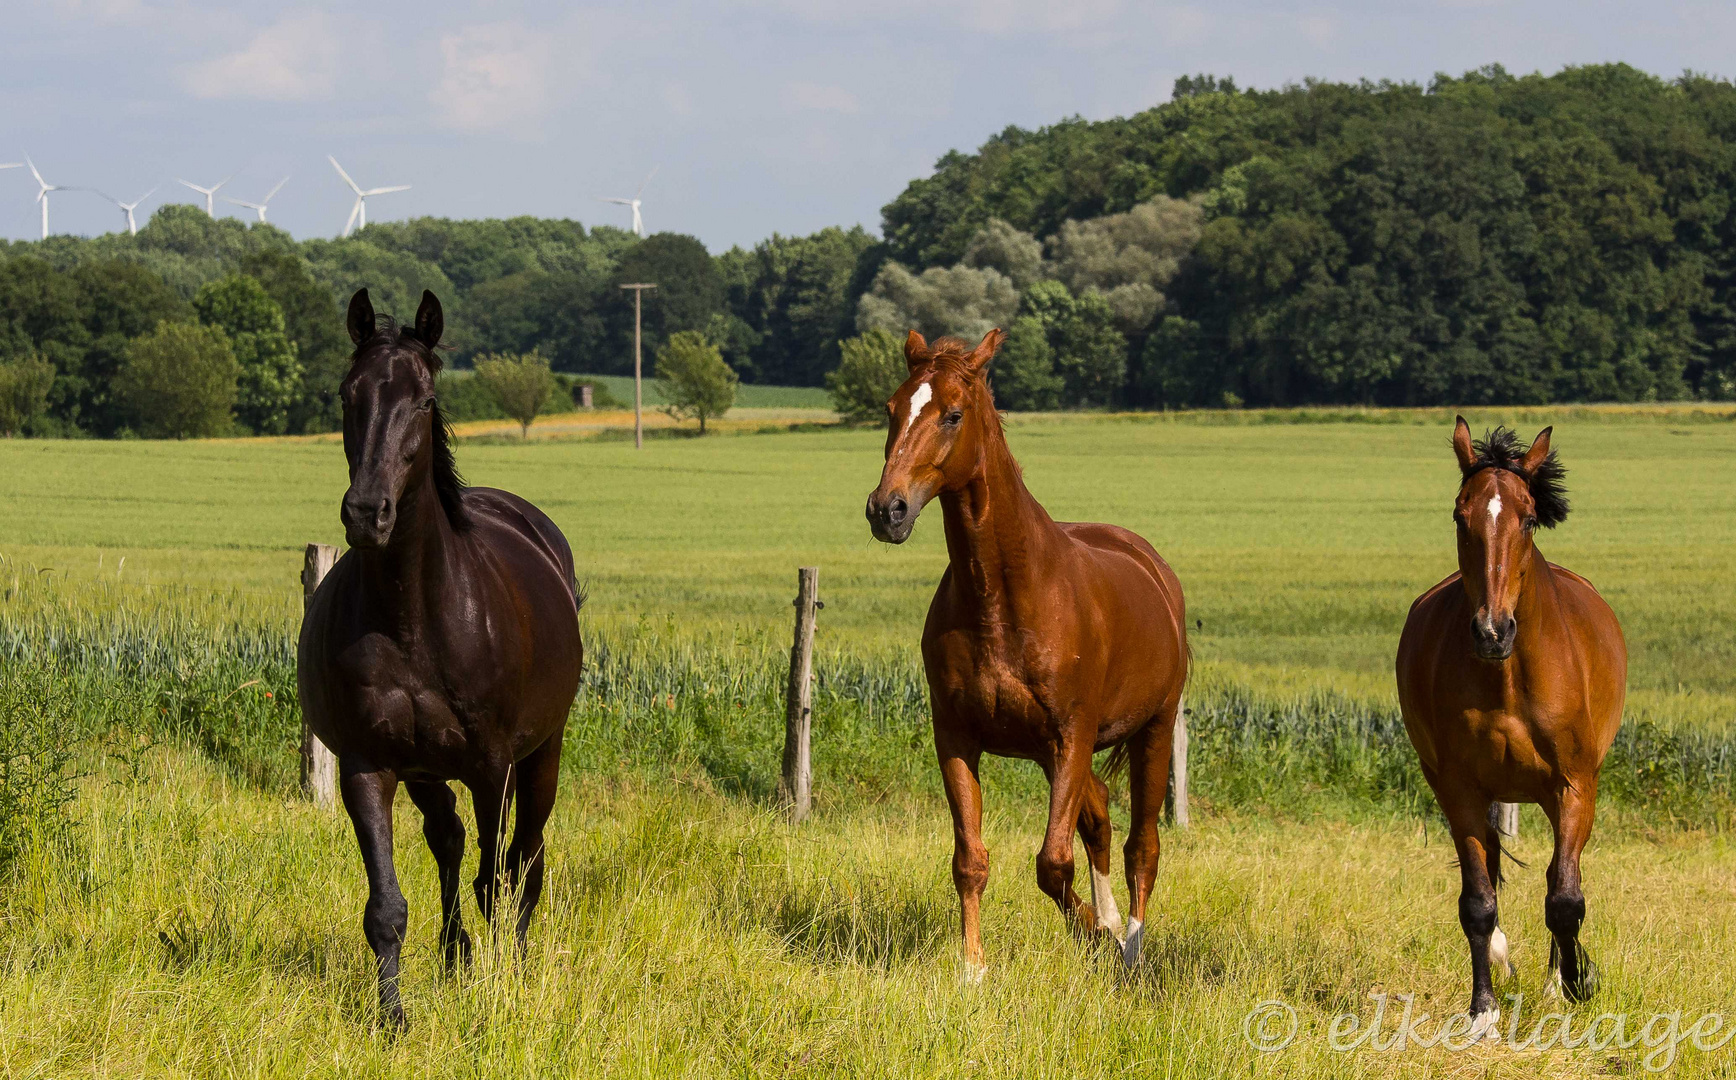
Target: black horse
[443, 646]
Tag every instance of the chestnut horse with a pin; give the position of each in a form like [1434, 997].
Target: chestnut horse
[1046, 640]
[1511, 675]
[443, 646]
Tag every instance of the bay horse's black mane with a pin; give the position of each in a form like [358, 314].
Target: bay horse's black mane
[447, 481]
[1501, 449]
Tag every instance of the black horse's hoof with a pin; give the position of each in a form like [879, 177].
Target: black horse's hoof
[1585, 987]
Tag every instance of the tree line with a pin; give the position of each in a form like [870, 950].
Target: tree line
[1487, 238]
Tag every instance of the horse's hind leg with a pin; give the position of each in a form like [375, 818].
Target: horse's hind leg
[1468, 817]
[1069, 781]
[539, 776]
[1094, 830]
[368, 796]
[492, 797]
[1147, 781]
[1500, 962]
[1564, 908]
[444, 831]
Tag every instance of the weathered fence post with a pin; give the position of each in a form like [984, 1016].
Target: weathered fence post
[797, 786]
[1177, 798]
[319, 766]
[1507, 819]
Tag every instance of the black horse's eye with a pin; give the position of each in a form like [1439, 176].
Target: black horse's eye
[426, 405]
[953, 417]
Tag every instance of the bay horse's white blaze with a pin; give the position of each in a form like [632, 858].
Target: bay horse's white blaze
[919, 397]
[1499, 962]
[1103, 900]
[1495, 507]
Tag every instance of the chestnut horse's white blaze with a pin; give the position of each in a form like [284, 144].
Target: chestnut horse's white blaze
[919, 398]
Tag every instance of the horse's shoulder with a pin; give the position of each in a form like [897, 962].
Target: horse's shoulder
[1580, 579]
[1430, 595]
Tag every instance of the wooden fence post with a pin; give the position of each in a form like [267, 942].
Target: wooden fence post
[797, 785]
[1507, 819]
[1177, 799]
[319, 766]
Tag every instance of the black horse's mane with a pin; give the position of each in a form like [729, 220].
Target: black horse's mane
[1501, 449]
[448, 483]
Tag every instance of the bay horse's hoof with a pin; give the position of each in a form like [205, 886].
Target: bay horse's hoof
[1130, 947]
[1500, 958]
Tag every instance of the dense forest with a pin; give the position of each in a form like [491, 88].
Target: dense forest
[1488, 238]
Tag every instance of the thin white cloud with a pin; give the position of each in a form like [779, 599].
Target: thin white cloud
[823, 98]
[495, 76]
[296, 59]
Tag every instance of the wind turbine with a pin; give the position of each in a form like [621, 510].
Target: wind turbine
[127, 208]
[638, 222]
[359, 212]
[209, 193]
[42, 195]
[259, 207]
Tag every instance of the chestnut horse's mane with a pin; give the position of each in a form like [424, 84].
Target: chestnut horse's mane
[1501, 449]
[447, 481]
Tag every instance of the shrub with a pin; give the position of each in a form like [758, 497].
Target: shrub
[521, 384]
[24, 386]
[179, 381]
[696, 383]
[870, 371]
[36, 748]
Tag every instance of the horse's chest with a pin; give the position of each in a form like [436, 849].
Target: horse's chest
[401, 708]
[1001, 691]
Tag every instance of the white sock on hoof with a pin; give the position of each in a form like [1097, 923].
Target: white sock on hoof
[1103, 901]
[973, 973]
[1499, 961]
[1486, 1025]
[1554, 988]
[1135, 938]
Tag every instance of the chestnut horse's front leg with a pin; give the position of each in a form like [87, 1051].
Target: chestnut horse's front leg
[959, 758]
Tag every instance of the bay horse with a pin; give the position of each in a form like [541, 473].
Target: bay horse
[1512, 675]
[1045, 640]
[444, 645]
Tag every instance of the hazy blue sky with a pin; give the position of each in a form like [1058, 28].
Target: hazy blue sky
[763, 115]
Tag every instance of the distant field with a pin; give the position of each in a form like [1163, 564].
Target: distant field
[1300, 545]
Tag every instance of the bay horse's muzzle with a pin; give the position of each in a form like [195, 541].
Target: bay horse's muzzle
[368, 520]
[1492, 639]
[890, 518]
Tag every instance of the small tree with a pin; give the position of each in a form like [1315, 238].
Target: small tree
[696, 382]
[24, 386]
[178, 381]
[270, 369]
[870, 369]
[522, 384]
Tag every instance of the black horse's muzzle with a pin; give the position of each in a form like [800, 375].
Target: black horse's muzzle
[368, 519]
[890, 517]
[1491, 638]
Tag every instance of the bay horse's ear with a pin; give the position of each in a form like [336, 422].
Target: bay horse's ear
[985, 351]
[1462, 445]
[430, 320]
[361, 317]
[915, 350]
[1538, 454]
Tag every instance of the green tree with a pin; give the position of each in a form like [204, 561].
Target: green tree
[270, 370]
[959, 300]
[314, 323]
[522, 385]
[1024, 373]
[24, 386]
[870, 370]
[696, 383]
[689, 292]
[797, 295]
[1090, 354]
[178, 382]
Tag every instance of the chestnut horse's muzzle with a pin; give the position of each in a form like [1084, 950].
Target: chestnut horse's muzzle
[368, 519]
[1491, 638]
[891, 517]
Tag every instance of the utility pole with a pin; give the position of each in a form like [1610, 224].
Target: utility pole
[638, 412]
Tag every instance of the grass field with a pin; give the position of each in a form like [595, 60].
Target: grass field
[200, 920]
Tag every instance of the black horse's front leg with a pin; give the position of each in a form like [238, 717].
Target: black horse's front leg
[368, 794]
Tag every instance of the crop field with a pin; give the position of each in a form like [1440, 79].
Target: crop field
[194, 917]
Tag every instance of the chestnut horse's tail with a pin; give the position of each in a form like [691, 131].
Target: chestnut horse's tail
[1116, 763]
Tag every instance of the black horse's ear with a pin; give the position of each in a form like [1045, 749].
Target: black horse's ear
[361, 317]
[430, 320]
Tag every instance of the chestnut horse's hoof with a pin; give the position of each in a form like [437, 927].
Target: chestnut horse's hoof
[974, 972]
[1130, 947]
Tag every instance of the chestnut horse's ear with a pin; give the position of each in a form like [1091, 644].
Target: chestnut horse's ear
[361, 317]
[915, 350]
[1462, 445]
[1538, 454]
[985, 351]
[430, 320]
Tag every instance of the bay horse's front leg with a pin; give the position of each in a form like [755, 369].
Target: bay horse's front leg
[368, 794]
[970, 859]
[1571, 971]
[1467, 816]
[1069, 782]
